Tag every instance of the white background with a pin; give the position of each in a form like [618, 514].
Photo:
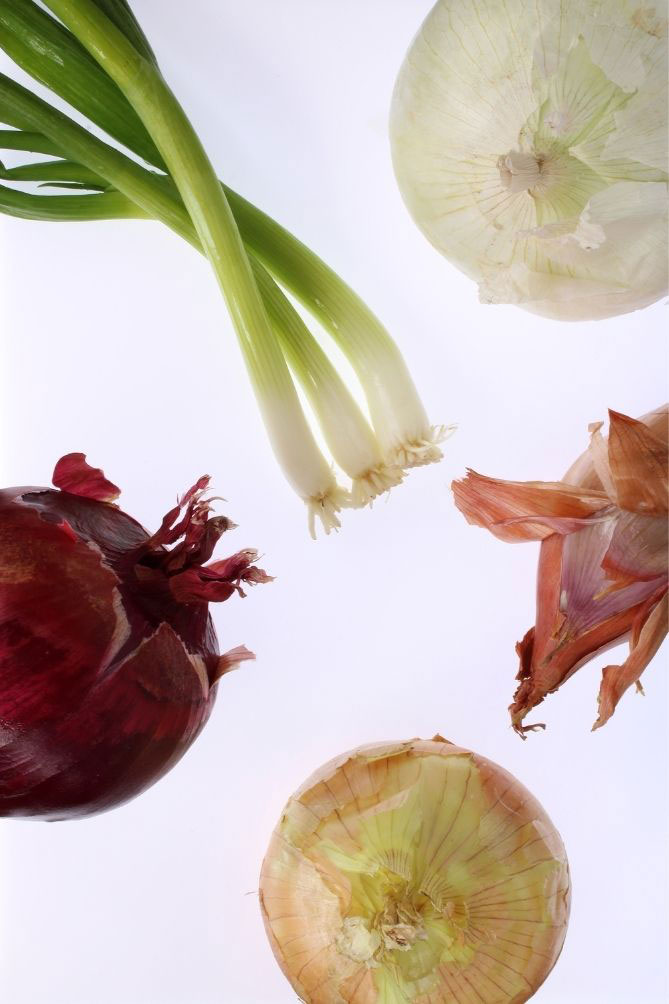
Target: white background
[116, 343]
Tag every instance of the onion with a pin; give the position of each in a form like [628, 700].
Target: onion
[96, 58]
[415, 872]
[108, 656]
[530, 145]
[603, 573]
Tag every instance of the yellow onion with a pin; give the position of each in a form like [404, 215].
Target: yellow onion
[415, 873]
[603, 566]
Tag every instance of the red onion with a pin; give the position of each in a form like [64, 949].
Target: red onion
[108, 655]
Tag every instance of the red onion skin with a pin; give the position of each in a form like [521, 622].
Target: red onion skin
[105, 678]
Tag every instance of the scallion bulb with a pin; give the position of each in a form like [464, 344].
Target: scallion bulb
[530, 146]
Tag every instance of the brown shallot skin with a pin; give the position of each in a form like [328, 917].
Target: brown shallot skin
[109, 660]
[604, 559]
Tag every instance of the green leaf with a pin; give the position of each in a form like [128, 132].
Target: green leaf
[28, 142]
[49, 171]
[77, 185]
[119, 13]
[51, 54]
[68, 208]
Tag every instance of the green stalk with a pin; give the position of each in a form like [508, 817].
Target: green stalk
[68, 208]
[344, 427]
[46, 50]
[120, 14]
[203, 197]
[29, 142]
[398, 416]
[346, 432]
[54, 171]
[286, 424]
[42, 47]
[24, 110]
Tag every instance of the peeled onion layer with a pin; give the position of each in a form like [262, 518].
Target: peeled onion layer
[530, 146]
[415, 872]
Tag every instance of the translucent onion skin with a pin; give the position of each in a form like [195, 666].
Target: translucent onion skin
[603, 574]
[530, 146]
[108, 656]
[415, 872]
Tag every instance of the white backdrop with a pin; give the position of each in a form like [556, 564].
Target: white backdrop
[116, 343]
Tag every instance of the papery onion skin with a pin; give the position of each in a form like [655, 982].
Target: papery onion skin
[603, 574]
[108, 656]
[415, 873]
[530, 146]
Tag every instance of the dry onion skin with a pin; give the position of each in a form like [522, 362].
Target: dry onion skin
[415, 872]
[603, 574]
[530, 146]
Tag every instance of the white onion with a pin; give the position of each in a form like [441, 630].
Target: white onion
[530, 146]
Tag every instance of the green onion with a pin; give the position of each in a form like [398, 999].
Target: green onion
[98, 60]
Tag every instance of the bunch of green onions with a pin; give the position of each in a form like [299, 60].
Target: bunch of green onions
[94, 55]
